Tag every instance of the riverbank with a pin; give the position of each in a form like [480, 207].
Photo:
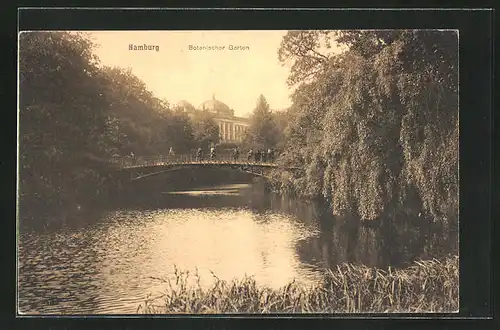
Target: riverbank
[426, 286]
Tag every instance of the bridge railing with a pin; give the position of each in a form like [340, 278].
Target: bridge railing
[142, 161]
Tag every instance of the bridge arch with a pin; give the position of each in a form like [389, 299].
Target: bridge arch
[136, 169]
[139, 173]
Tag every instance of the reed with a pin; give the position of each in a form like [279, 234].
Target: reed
[425, 286]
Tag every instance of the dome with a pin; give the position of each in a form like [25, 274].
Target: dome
[216, 106]
[185, 105]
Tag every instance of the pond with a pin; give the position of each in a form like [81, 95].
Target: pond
[109, 260]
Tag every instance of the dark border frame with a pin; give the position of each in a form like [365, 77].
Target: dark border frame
[476, 104]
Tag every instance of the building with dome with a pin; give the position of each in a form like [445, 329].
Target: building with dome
[231, 128]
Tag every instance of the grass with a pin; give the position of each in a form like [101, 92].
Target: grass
[426, 286]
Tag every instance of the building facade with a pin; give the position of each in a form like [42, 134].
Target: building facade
[231, 128]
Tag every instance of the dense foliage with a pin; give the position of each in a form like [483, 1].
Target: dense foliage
[206, 130]
[263, 132]
[76, 114]
[375, 127]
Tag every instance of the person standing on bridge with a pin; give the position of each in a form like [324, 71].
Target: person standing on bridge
[236, 154]
[270, 157]
[199, 155]
[249, 155]
[171, 153]
[263, 155]
[257, 155]
[212, 153]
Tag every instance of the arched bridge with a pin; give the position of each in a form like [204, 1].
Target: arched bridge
[143, 167]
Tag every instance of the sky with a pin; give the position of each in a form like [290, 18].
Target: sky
[175, 72]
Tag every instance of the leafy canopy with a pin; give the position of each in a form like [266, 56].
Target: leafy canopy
[376, 122]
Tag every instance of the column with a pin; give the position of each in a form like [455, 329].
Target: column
[222, 131]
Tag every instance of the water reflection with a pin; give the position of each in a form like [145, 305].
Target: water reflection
[104, 262]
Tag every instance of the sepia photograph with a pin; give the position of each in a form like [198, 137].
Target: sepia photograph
[237, 172]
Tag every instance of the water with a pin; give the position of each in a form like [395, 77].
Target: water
[108, 262]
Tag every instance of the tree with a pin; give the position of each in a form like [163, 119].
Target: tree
[179, 133]
[281, 118]
[137, 121]
[57, 87]
[262, 132]
[74, 115]
[376, 123]
[205, 129]
[308, 50]
[61, 112]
